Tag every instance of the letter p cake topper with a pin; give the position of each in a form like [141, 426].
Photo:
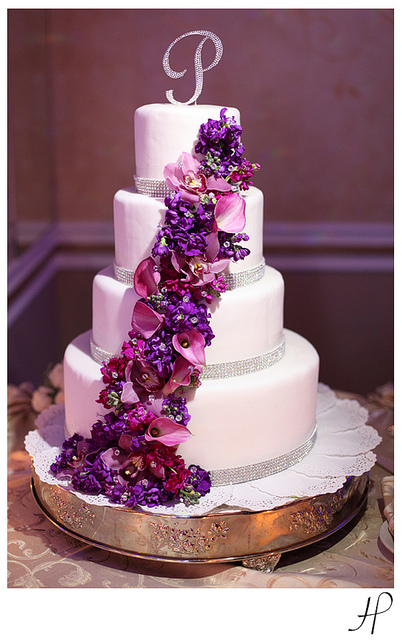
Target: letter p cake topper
[199, 70]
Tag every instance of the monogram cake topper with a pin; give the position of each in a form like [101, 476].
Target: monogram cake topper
[199, 70]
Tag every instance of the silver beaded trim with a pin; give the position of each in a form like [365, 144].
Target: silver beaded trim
[151, 187]
[243, 367]
[125, 276]
[244, 278]
[100, 355]
[232, 280]
[214, 371]
[237, 475]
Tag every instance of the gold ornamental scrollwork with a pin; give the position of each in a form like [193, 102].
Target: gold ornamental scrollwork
[70, 515]
[191, 541]
[316, 518]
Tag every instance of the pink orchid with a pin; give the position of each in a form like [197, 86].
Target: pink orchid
[167, 432]
[146, 278]
[190, 344]
[197, 271]
[129, 465]
[181, 374]
[204, 272]
[186, 178]
[140, 377]
[145, 320]
[230, 213]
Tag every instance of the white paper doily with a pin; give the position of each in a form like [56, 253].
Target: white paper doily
[343, 448]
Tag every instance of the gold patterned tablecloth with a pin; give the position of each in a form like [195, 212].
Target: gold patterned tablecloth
[42, 556]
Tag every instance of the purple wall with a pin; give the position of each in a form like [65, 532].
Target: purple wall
[315, 92]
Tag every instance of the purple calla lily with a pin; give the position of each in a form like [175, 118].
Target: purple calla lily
[213, 247]
[181, 374]
[230, 213]
[167, 432]
[191, 345]
[146, 278]
[145, 320]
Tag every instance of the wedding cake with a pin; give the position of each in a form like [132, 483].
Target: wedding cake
[187, 377]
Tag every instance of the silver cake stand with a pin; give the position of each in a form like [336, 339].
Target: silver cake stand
[257, 539]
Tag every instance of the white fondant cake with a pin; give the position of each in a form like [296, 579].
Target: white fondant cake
[257, 398]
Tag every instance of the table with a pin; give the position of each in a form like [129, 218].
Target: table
[42, 556]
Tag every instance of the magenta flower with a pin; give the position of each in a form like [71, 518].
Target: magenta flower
[145, 320]
[129, 394]
[178, 479]
[167, 432]
[186, 178]
[230, 213]
[191, 345]
[181, 374]
[146, 278]
[139, 376]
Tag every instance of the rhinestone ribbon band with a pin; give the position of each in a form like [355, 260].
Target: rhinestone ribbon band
[214, 371]
[260, 470]
[243, 367]
[232, 280]
[100, 355]
[151, 187]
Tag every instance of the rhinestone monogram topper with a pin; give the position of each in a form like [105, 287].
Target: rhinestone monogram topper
[199, 70]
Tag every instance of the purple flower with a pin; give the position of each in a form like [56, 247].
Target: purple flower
[136, 496]
[219, 142]
[199, 479]
[175, 407]
[140, 378]
[182, 314]
[229, 247]
[87, 483]
[158, 352]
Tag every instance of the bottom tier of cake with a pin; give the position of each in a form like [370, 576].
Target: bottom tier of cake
[235, 421]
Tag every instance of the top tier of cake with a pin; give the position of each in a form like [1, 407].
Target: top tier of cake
[163, 131]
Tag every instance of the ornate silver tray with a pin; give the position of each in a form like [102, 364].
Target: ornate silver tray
[257, 539]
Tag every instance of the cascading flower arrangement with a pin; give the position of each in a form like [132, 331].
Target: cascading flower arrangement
[131, 455]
